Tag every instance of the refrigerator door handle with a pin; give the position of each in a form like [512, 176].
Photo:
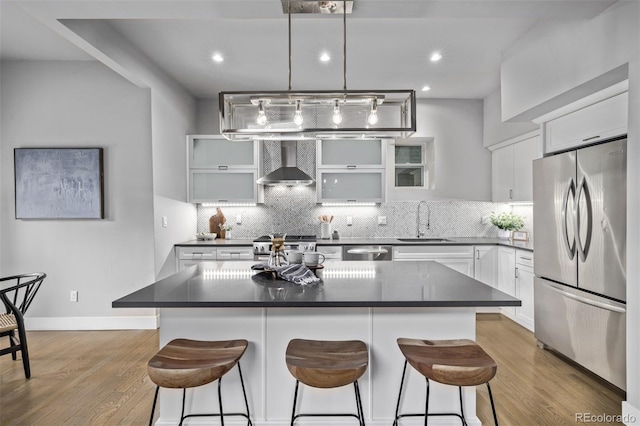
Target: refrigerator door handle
[585, 300]
[571, 247]
[583, 250]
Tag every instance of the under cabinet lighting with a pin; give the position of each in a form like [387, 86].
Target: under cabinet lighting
[224, 204]
[349, 273]
[348, 204]
[227, 274]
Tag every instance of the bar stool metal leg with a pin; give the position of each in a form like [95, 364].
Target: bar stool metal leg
[404, 370]
[295, 400]
[220, 401]
[244, 393]
[153, 407]
[493, 407]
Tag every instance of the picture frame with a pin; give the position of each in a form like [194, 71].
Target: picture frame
[59, 183]
[520, 236]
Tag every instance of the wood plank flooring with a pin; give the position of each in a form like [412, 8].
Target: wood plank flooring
[99, 378]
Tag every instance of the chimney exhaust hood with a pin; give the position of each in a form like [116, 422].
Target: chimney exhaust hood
[289, 174]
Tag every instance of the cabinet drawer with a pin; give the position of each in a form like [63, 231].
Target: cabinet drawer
[196, 253]
[432, 252]
[330, 252]
[235, 253]
[524, 258]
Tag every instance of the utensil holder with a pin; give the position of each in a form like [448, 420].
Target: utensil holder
[325, 231]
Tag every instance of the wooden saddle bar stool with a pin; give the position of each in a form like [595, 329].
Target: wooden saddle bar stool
[17, 293]
[327, 364]
[451, 362]
[185, 363]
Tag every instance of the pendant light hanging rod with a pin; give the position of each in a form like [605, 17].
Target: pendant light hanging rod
[344, 42]
[289, 4]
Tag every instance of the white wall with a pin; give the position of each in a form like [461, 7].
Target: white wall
[494, 129]
[172, 117]
[208, 118]
[554, 63]
[462, 164]
[80, 104]
[557, 63]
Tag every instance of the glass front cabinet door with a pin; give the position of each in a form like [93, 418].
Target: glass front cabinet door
[223, 171]
[351, 170]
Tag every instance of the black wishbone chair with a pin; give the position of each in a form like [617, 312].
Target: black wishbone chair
[17, 293]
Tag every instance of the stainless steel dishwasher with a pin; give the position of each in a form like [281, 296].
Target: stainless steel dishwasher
[367, 253]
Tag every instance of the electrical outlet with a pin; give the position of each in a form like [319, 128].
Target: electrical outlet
[382, 220]
[349, 220]
[73, 296]
[164, 221]
[484, 220]
[238, 219]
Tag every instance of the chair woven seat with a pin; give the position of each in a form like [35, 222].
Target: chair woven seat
[8, 322]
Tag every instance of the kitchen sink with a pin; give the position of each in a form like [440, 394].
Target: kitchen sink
[423, 240]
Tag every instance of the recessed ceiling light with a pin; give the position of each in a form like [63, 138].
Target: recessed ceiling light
[426, 88]
[436, 56]
[325, 57]
[217, 57]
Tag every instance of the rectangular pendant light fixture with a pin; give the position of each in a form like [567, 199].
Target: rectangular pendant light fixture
[300, 115]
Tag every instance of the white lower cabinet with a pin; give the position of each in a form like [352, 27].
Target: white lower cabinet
[515, 277]
[506, 276]
[189, 256]
[486, 271]
[459, 258]
[524, 288]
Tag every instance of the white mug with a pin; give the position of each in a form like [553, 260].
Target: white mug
[294, 256]
[312, 258]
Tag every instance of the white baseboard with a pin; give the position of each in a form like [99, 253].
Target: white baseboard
[630, 414]
[92, 323]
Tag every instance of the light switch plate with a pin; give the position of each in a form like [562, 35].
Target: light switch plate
[349, 220]
[239, 219]
[382, 220]
[164, 221]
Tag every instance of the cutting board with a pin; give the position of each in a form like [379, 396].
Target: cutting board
[215, 221]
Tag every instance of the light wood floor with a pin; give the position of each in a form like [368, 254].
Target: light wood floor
[99, 378]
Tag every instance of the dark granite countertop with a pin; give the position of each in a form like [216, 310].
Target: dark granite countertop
[525, 245]
[344, 284]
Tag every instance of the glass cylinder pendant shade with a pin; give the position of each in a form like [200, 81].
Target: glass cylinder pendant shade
[289, 115]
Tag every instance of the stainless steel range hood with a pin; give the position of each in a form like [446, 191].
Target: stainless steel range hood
[289, 174]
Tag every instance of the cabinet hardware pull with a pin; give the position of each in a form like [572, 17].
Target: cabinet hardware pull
[351, 201]
[517, 273]
[223, 201]
[223, 167]
[592, 137]
[525, 258]
[351, 167]
[511, 194]
[477, 254]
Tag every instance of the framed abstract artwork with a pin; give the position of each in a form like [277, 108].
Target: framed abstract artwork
[59, 183]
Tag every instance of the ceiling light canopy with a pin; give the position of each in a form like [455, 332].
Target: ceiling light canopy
[317, 114]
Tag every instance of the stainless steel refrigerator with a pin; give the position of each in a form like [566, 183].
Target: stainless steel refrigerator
[580, 218]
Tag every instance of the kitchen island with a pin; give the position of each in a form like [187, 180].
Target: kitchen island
[375, 302]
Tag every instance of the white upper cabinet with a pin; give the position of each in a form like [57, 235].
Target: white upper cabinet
[216, 152]
[351, 170]
[223, 171]
[600, 121]
[512, 169]
[351, 153]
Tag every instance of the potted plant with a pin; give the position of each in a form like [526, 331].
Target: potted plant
[506, 222]
[225, 230]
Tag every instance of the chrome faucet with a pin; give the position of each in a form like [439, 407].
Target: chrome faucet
[418, 232]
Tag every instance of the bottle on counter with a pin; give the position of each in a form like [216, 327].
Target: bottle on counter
[335, 235]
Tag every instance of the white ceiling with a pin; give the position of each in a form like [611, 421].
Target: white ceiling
[388, 42]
